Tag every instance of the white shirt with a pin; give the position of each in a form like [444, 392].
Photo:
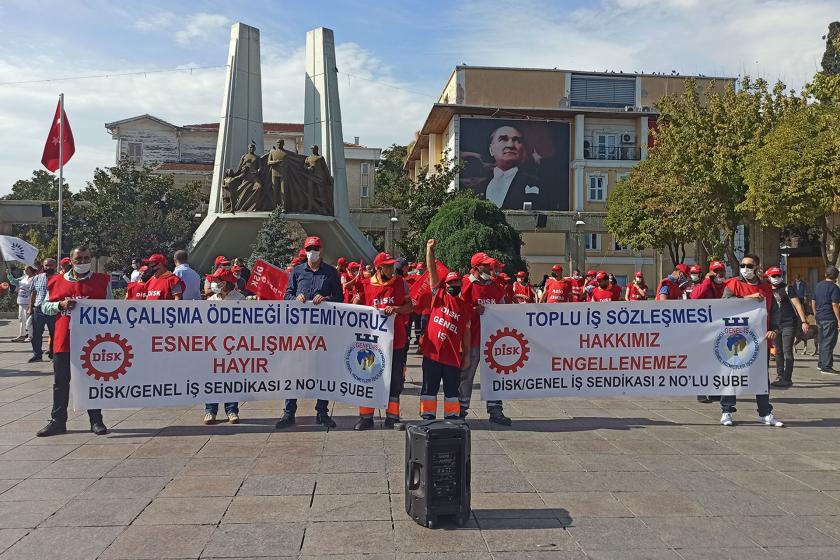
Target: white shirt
[499, 185]
[135, 275]
[24, 290]
[233, 295]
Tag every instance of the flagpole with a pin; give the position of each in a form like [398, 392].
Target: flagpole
[60, 170]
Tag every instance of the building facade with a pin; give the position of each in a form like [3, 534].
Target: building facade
[187, 152]
[592, 127]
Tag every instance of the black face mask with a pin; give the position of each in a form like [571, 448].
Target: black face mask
[603, 284]
[453, 290]
[146, 275]
[384, 277]
[49, 271]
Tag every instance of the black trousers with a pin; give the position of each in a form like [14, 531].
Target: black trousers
[61, 390]
[39, 321]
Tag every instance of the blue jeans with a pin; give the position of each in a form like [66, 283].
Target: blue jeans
[828, 340]
[321, 406]
[213, 408]
[39, 323]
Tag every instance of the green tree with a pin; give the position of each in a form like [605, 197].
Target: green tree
[467, 225]
[825, 87]
[416, 202]
[41, 186]
[277, 241]
[126, 212]
[702, 143]
[794, 178]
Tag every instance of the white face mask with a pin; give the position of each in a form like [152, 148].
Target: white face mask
[215, 288]
[83, 268]
[484, 276]
[718, 279]
[695, 277]
[776, 280]
[748, 273]
[313, 256]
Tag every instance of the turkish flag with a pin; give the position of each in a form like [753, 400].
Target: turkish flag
[50, 157]
[267, 281]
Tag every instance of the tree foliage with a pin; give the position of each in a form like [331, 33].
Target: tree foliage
[416, 202]
[467, 225]
[825, 87]
[277, 241]
[41, 186]
[126, 212]
[794, 178]
[701, 146]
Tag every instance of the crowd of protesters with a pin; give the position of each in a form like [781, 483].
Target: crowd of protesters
[444, 322]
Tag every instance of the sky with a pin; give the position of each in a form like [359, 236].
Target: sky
[393, 57]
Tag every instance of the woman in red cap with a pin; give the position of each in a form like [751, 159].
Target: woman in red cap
[790, 318]
[695, 274]
[223, 285]
[446, 343]
[523, 292]
[637, 291]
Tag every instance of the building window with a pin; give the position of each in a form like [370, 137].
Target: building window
[607, 146]
[593, 241]
[621, 280]
[620, 176]
[135, 153]
[602, 91]
[364, 184]
[597, 188]
[619, 247]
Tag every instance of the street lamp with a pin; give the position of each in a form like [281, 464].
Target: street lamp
[579, 253]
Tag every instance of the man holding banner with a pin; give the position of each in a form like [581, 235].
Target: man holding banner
[63, 291]
[314, 281]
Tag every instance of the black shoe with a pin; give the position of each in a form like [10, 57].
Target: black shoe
[780, 382]
[50, 355]
[34, 359]
[98, 428]
[286, 421]
[326, 421]
[53, 428]
[704, 399]
[500, 418]
[393, 424]
[362, 425]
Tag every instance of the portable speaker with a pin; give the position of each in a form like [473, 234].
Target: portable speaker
[437, 471]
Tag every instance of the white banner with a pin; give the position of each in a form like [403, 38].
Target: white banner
[153, 353]
[691, 347]
[16, 249]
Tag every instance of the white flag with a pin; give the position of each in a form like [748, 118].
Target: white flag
[15, 249]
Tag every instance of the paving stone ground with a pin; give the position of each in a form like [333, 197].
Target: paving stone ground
[576, 478]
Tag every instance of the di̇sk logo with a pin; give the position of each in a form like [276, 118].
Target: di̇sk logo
[364, 358]
[106, 356]
[737, 345]
[506, 351]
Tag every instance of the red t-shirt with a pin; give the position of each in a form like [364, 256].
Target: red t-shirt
[523, 293]
[576, 287]
[165, 286]
[611, 293]
[708, 289]
[135, 290]
[740, 288]
[93, 287]
[449, 316]
[634, 295]
[557, 290]
[393, 292]
[479, 294]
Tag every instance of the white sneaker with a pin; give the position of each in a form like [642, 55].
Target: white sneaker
[209, 418]
[771, 420]
[233, 418]
[726, 419]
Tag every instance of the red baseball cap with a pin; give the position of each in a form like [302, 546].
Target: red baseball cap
[590, 273]
[479, 259]
[682, 267]
[223, 274]
[639, 274]
[353, 265]
[717, 265]
[65, 260]
[773, 271]
[221, 260]
[520, 274]
[312, 241]
[452, 276]
[497, 263]
[601, 275]
[557, 267]
[696, 269]
[504, 276]
[383, 258]
[301, 254]
[157, 258]
[341, 261]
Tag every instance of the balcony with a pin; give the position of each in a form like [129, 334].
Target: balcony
[621, 153]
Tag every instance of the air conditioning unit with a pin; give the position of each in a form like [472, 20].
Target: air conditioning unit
[646, 109]
[626, 138]
[629, 108]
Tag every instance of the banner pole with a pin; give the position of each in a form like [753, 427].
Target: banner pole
[60, 171]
